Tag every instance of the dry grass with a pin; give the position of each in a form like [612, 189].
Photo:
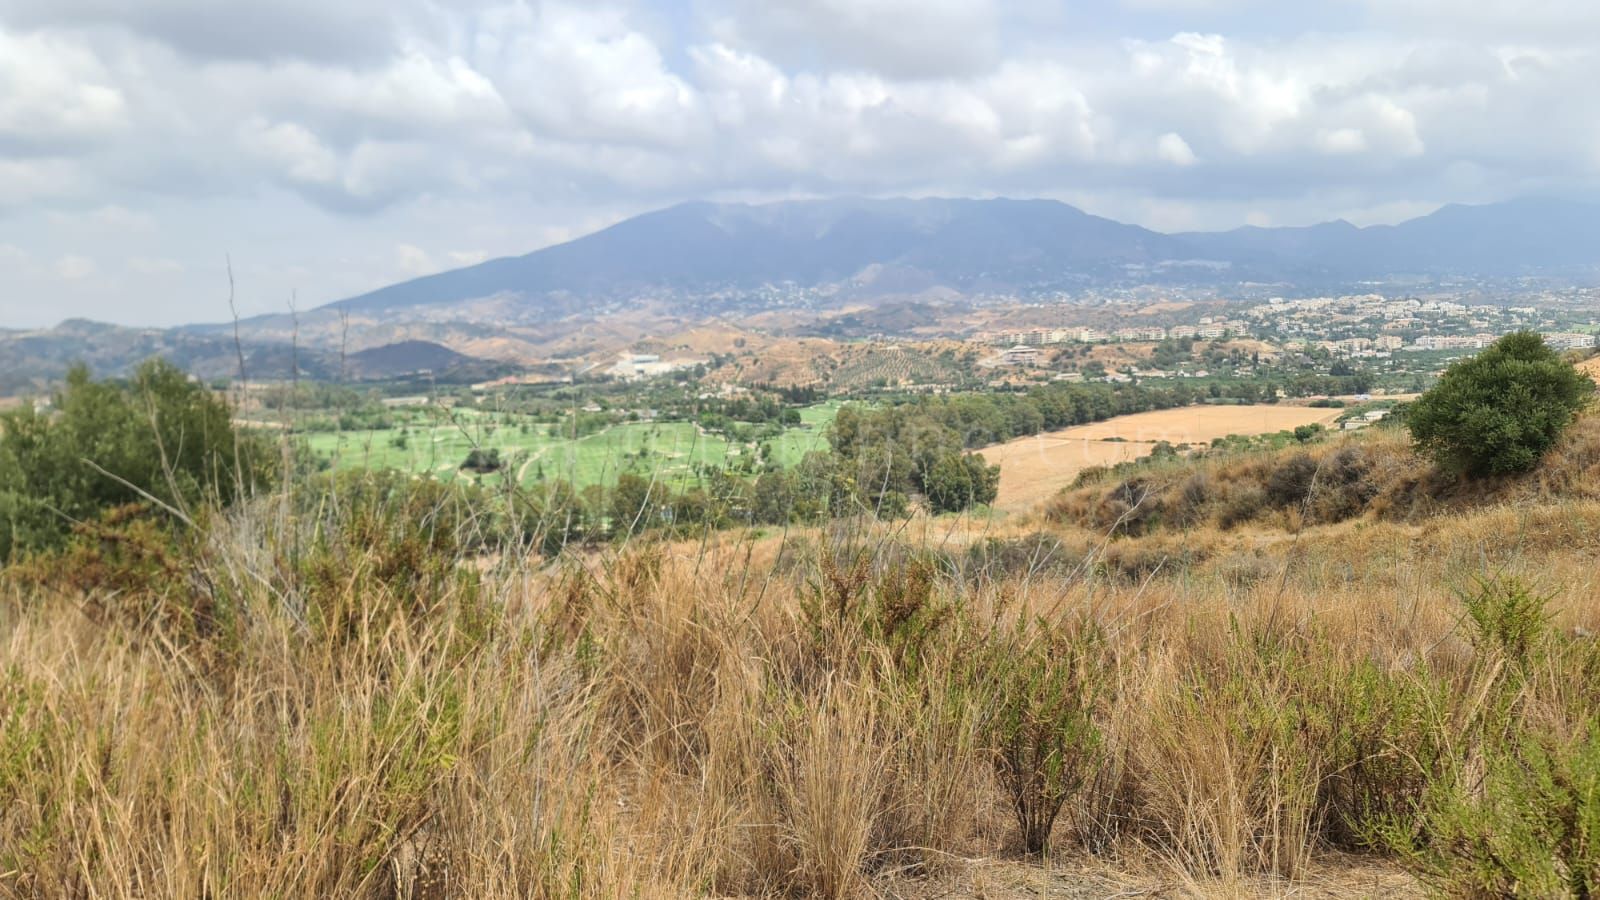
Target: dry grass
[808, 715]
[1034, 468]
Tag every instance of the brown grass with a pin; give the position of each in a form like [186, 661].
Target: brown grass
[744, 716]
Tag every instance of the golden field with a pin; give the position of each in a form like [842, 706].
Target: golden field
[1033, 468]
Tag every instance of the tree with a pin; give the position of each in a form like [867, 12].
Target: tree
[158, 435]
[482, 461]
[1500, 411]
[959, 481]
[636, 504]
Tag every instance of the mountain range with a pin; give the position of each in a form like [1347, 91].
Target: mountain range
[855, 248]
[843, 266]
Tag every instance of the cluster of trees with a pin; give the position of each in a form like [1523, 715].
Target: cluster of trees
[1355, 382]
[554, 514]
[975, 420]
[158, 439]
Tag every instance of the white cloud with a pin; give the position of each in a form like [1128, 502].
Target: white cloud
[1341, 141]
[507, 124]
[897, 38]
[74, 268]
[1174, 149]
[149, 265]
[467, 257]
[413, 260]
[55, 96]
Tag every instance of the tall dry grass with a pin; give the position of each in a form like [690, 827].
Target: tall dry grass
[370, 708]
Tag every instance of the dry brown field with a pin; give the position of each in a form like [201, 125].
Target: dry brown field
[1033, 468]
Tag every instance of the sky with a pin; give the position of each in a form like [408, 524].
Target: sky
[323, 148]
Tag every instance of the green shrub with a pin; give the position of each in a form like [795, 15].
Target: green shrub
[959, 481]
[1046, 683]
[1499, 411]
[1528, 827]
[157, 436]
[1508, 616]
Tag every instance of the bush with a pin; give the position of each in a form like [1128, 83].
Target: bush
[1508, 616]
[157, 439]
[1531, 828]
[1291, 482]
[960, 481]
[1499, 411]
[1047, 682]
[482, 462]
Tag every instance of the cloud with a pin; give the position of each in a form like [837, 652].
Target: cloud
[75, 268]
[896, 38]
[146, 265]
[288, 129]
[55, 97]
[413, 260]
[204, 29]
[1174, 149]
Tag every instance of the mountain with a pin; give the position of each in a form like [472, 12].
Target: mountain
[32, 361]
[1517, 237]
[697, 248]
[864, 248]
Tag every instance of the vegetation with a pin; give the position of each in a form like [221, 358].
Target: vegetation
[1500, 411]
[362, 683]
[158, 440]
[773, 717]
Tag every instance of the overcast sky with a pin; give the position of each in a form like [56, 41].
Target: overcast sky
[333, 146]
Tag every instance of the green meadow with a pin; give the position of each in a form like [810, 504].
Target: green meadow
[530, 451]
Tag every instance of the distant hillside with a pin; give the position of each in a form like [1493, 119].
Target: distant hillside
[405, 358]
[34, 361]
[1513, 238]
[861, 249]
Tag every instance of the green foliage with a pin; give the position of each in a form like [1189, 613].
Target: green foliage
[1500, 411]
[1530, 827]
[637, 504]
[1305, 434]
[111, 443]
[959, 481]
[1046, 684]
[551, 516]
[1508, 616]
[483, 461]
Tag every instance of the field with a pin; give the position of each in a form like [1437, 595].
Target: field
[670, 450]
[1033, 468]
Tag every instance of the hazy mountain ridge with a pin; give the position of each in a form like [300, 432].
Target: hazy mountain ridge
[699, 261]
[997, 246]
[32, 361]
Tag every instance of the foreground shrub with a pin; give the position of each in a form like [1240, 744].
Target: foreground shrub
[1046, 683]
[156, 437]
[1529, 828]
